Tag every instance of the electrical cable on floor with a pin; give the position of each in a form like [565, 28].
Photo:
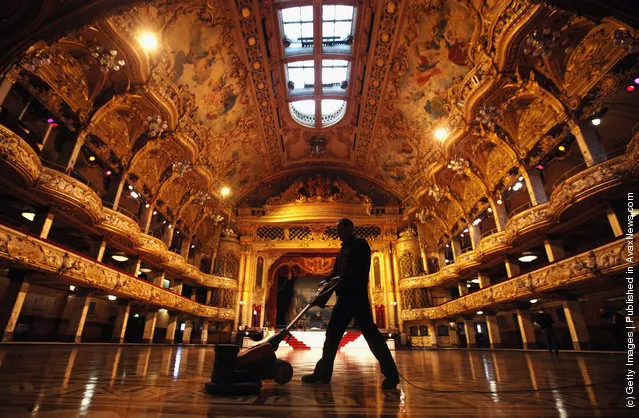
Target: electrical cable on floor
[497, 392]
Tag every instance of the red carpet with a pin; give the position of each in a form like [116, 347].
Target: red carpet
[349, 337]
[296, 344]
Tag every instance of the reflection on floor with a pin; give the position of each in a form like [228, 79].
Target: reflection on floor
[157, 381]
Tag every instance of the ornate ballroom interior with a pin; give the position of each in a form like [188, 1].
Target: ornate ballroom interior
[171, 173]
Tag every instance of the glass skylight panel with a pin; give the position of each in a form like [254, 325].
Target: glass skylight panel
[337, 22]
[305, 107]
[298, 25]
[301, 73]
[330, 107]
[334, 72]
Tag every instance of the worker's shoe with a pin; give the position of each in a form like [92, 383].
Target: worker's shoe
[313, 378]
[390, 383]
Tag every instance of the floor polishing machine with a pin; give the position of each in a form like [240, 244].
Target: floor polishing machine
[240, 374]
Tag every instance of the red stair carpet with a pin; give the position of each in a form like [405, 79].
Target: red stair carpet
[348, 337]
[296, 344]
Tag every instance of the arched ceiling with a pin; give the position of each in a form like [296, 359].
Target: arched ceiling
[216, 79]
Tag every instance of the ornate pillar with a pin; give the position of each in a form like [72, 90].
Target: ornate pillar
[512, 268]
[118, 194]
[453, 332]
[484, 280]
[432, 332]
[119, 328]
[7, 82]
[577, 325]
[475, 235]
[463, 288]
[456, 244]
[170, 329]
[177, 287]
[205, 332]
[469, 328]
[501, 217]
[146, 218]
[493, 330]
[535, 187]
[78, 317]
[150, 320]
[12, 303]
[46, 226]
[186, 246]
[79, 142]
[527, 329]
[589, 144]
[613, 220]
[398, 299]
[554, 249]
[186, 334]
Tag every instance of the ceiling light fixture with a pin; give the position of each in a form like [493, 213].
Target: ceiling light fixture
[136, 315]
[155, 212]
[29, 215]
[130, 187]
[148, 41]
[475, 281]
[441, 134]
[108, 172]
[630, 88]
[72, 288]
[489, 210]
[147, 206]
[596, 121]
[92, 158]
[533, 300]
[468, 285]
[539, 167]
[225, 191]
[527, 257]
[146, 270]
[480, 312]
[111, 297]
[134, 194]
[561, 148]
[121, 257]
[476, 221]
[499, 201]
[517, 186]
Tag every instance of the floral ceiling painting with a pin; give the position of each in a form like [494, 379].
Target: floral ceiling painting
[432, 56]
[206, 63]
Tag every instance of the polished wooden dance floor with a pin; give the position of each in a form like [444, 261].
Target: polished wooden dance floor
[165, 381]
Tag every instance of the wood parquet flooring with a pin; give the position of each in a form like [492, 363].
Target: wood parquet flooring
[106, 381]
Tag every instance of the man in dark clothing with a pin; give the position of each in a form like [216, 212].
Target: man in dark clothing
[352, 265]
[545, 321]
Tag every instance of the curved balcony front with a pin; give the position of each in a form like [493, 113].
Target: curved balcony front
[594, 264]
[24, 251]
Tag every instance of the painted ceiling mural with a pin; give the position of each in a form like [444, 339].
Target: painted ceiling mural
[432, 56]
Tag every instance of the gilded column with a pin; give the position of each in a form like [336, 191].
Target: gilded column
[119, 328]
[171, 328]
[78, 317]
[527, 329]
[469, 329]
[554, 249]
[589, 144]
[150, 320]
[8, 81]
[493, 330]
[11, 306]
[79, 142]
[535, 187]
[186, 334]
[577, 325]
[398, 300]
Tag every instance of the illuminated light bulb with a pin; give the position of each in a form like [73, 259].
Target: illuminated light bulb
[50, 121]
[134, 194]
[596, 121]
[480, 312]
[155, 212]
[561, 148]
[636, 81]
[630, 88]
[108, 172]
[533, 300]
[130, 187]
[147, 206]
[225, 191]
[92, 158]
[111, 297]
[489, 210]
[441, 134]
[468, 285]
[539, 167]
[72, 288]
[499, 201]
[28, 215]
[148, 41]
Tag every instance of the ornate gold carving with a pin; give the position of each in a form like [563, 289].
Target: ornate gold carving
[606, 259]
[319, 189]
[18, 155]
[18, 249]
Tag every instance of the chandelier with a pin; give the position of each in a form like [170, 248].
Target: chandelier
[107, 58]
[181, 167]
[625, 40]
[156, 126]
[458, 165]
[486, 116]
[540, 43]
[202, 197]
[35, 61]
[436, 192]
